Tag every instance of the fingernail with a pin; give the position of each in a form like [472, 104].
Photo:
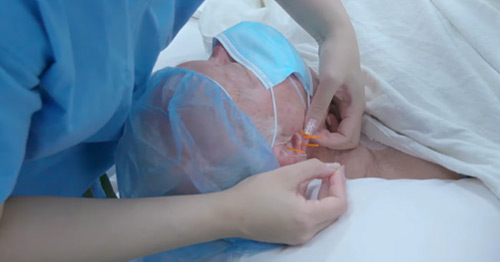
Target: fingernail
[333, 166]
[328, 121]
[311, 126]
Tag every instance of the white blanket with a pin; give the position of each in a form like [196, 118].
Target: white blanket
[434, 90]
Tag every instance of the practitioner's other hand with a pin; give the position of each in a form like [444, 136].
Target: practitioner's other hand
[272, 206]
[340, 84]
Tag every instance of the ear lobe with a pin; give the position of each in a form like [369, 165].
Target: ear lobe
[288, 157]
[280, 154]
[297, 141]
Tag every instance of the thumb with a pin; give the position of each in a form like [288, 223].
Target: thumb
[308, 170]
[316, 113]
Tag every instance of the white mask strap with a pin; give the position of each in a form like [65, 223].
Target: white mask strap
[275, 132]
[297, 89]
[308, 100]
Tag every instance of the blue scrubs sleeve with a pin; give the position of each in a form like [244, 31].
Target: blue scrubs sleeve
[68, 70]
[21, 62]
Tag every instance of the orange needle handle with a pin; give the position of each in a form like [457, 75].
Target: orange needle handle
[296, 150]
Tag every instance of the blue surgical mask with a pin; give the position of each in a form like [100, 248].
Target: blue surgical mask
[269, 55]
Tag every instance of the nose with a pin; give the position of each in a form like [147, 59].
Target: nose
[220, 55]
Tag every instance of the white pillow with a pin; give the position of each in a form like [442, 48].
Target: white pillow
[186, 46]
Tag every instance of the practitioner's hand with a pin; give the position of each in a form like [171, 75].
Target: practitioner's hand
[272, 207]
[340, 84]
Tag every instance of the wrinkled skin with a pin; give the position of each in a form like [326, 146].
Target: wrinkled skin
[255, 101]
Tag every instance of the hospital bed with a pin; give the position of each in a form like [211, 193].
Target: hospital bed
[387, 220]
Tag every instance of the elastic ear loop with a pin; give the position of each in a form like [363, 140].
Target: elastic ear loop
[308, 100]
[299, 93]
[275, 117]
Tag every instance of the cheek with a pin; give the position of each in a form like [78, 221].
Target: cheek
[260, 103]
[293, 119]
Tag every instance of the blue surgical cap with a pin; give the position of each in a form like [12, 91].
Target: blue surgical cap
[185, 135]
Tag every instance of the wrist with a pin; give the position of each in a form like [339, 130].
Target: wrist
[225, 215]
[318, 17]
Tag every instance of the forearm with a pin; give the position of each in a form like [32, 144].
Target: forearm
[75, 229]
[320, 18]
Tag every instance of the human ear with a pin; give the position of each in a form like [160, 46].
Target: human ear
[285, 155]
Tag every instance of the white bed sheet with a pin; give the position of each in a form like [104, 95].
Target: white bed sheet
[433, 67]
[406, 220]
[388, 220]
[186, 46]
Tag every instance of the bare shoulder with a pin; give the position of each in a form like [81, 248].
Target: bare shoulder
[359, 162]
[395, 164]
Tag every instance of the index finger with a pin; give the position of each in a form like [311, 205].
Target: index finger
[347, 135]
[332, 206]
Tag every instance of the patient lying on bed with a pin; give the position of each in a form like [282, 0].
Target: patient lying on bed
[187, 134]
[369, 159]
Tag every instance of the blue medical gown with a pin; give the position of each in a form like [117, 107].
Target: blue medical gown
[67, 75]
